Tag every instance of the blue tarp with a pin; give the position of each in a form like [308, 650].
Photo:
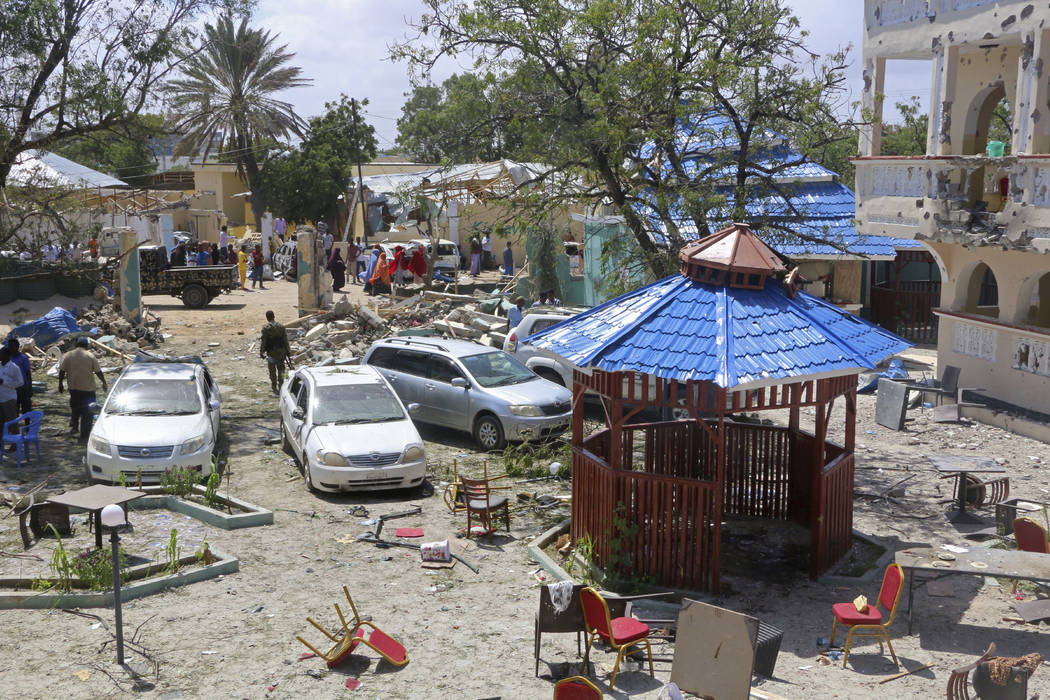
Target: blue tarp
[49, 328]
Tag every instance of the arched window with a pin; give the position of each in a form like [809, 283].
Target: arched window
[982, 292]
[1037, 304]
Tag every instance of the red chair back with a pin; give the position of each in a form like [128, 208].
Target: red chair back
[1030, 536]
[595, 612]
[576, 688]
[891, 586]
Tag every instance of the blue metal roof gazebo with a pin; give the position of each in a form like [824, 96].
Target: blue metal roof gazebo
[729, 335]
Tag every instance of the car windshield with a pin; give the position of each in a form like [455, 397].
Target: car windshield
[154, 397]
[491, 369]
[356, 403]
[445, 249]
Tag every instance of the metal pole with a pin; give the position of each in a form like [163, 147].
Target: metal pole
[115, 539]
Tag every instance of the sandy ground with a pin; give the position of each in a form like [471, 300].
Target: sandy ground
[467, 635]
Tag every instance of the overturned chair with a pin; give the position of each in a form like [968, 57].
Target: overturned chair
[354, 634]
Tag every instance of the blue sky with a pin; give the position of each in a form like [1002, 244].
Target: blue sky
[343, 44]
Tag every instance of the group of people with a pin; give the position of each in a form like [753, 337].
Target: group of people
[74, 252]
[379, 273]
[16, 382]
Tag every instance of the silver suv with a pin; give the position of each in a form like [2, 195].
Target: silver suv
[474, 388]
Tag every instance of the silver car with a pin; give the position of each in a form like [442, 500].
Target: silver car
[474, 388]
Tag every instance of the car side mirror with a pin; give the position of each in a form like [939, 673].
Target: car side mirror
[298, 413]
[461, 383]
[413, 408]
[213, 405]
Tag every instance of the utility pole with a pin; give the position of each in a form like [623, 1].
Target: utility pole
[360, 178]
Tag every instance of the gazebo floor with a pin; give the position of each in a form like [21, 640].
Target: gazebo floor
[761, 549]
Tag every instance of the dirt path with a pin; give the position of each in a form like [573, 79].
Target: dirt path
[467, 635]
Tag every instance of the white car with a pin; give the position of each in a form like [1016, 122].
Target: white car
[349, 430]
[158, 416]
[551, 367]
[447, 253]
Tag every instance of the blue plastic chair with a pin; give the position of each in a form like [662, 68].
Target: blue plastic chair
[28, 432]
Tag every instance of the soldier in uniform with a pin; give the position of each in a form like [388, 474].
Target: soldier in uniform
[273, 345]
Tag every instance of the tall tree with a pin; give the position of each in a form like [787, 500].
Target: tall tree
[667, 109]
[907, 137]
[74, 68]
[304, 184]
[226, 93]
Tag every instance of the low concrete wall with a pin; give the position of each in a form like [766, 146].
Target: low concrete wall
[253, 517]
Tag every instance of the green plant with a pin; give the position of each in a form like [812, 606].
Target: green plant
[203, 553]
[585, 550]
[211, 490]
[531, 461]
[121, 480]
[620, 564]
[94, 568]
[61, 570]
[173, 552]
[178, 481]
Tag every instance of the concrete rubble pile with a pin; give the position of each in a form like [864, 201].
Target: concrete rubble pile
[128, 337]
[343, 334]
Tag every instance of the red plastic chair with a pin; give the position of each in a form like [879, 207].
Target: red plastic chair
[621, 633]
[576, 688]
[871, 620]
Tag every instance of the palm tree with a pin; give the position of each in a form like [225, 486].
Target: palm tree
[225, 95]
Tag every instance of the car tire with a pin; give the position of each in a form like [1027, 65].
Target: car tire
[194, 296]
[305, 466]
[488, 432]
[550, 375]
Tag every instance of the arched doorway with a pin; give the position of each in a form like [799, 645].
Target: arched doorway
[1035, 301]
[982, 292]
[989, 126]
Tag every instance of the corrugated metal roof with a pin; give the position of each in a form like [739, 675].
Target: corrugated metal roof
[35, 167]
[680, 329]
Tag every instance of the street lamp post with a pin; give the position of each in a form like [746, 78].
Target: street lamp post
[113, 517]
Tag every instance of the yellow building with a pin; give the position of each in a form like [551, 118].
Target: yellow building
[983, 209]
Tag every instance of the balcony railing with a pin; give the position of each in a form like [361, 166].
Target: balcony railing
[972, 198]
[888, 13]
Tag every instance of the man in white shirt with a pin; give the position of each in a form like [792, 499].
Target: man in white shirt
[10, 381]
[486, 251]
[328, 240]
[224, 238]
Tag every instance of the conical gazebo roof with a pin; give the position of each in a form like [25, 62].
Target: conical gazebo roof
[684, 329]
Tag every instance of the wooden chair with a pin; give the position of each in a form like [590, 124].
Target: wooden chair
[959, 681]
[871, 619]
[576, 688]
[982, 493]
[548, 619]
[621, 633]
[354, 634]
[481, 503]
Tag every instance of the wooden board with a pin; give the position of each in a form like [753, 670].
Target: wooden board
[1033, 611]
[714, 651]
[890, 404]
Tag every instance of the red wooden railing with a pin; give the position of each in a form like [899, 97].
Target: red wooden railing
[907, 311]
[833, 535]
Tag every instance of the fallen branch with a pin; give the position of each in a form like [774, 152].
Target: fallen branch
[905, 673]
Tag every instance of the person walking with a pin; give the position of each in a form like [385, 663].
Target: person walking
[418, 265]
[81, 368]
[273, 345]
[353, 253]
[257, 266]
[508, 261]
[224, 237]
[338, 269]
[362, 264]
[380, 280]
[25, 392]
[327, 239]
[10, 382]
[242, 265]
[515, 314]
[486, 251]
[475, 256]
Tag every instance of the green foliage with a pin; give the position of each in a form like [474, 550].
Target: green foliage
[228, 87]
[618, 572]
[61, 569]
[547, 250]
[94, 568]
[70, 70]
[173, 553]
[908, 138]
[455, 123]
[529, 460]
[211, 490]
[178, 481]
[121, 480]
[603, 90]
[304, 184]
[203, 553]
